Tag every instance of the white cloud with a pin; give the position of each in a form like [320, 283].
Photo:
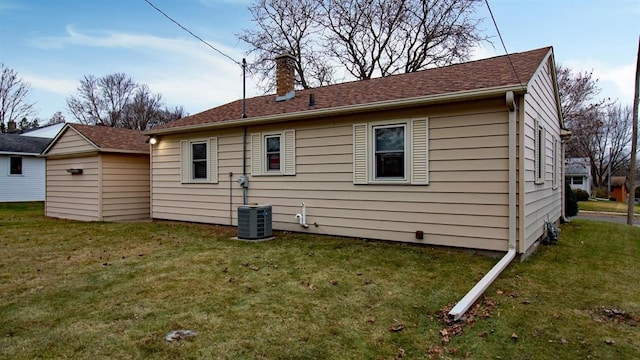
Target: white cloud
[57, 86]
[616, 81]
[186, 72]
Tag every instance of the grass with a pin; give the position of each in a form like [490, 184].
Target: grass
[606, 206]
[114, 290]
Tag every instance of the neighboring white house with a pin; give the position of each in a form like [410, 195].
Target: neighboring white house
[578, 173]
[22, 172]
[47, 131]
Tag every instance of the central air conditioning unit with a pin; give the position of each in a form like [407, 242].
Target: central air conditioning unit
[254, 222]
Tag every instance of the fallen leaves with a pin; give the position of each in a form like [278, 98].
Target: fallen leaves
[398, 326]
[482, 309]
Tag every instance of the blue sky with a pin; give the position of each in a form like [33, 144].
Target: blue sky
[53, 44]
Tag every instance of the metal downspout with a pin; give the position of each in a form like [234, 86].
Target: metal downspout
[470, 298]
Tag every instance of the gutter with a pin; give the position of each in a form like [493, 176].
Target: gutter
[376, 106]
[470, 298]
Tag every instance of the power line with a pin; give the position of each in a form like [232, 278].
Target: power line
[192, 34]
[503, 46]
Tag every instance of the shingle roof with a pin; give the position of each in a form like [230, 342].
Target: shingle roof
[577, 166]
[619, 181]
[108, 138]
[15, 143]
[489, 73]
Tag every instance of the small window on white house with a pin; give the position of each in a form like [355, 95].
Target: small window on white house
[273, 153]
[199, 161]
[576, 180]
[394, 152]
[15, 165]
[539, 148]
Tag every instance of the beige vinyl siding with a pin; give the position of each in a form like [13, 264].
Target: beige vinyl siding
[541, 201]
[75, 197]
[125, 187]
[70, 142]
[465, 203]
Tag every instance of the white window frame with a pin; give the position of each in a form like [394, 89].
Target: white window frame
[416, 152]
[259, 165]
[21, 166]
[556, 163]
[265, 154]
[374, 160]
[539, 153]
[187, 161]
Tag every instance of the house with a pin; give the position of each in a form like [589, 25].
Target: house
[21, 170]
[467, 155]
[96, 173]
[619, 189]
[578, 173]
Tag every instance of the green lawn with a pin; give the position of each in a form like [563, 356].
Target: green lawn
[607, 206]
[107, 290]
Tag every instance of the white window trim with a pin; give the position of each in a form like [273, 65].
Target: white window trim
[372, 159]
[186, 159]
[539, 153]
[556, 163]
[416, 157]
[259, 166]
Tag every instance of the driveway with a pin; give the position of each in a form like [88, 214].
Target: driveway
[606, 216]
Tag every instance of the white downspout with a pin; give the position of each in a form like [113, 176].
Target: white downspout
[470, 298]
[302, 218]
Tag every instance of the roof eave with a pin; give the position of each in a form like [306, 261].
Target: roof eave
[376, 106]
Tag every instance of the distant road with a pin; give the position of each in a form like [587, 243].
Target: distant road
[605, 216]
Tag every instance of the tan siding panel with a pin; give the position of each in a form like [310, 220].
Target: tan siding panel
[465, 203]
[71, 142]
[72, 196]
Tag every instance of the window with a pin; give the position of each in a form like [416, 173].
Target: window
[393, 153]
[15, 165]
[389, 149]
[576, 180]
[199, 161]
[273, 153]
[556, 163]
[539, 147]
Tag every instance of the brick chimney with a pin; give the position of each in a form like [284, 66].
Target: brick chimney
[11, 126]
[285, 77]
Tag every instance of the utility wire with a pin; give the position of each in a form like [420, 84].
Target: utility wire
[192, 34]
[503, 46]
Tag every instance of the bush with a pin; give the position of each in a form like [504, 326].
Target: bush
[581, 195]
[601, 193]
[571, 203]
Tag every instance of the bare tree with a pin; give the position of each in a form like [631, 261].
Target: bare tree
[56, 118]
[116, 100]
[13, 97]
[25, 124]
[366, 38]
[605, 138]
[287, 27]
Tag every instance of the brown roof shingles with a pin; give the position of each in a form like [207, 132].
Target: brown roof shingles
[475, 75]
[108, 138]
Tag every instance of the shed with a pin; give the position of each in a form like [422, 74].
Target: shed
[619, 190]
[97, 173]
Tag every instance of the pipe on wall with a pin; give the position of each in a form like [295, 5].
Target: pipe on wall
[478, 289]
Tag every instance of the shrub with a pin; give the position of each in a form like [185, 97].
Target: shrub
[571, 204]
[581, 195]
[600, 193]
